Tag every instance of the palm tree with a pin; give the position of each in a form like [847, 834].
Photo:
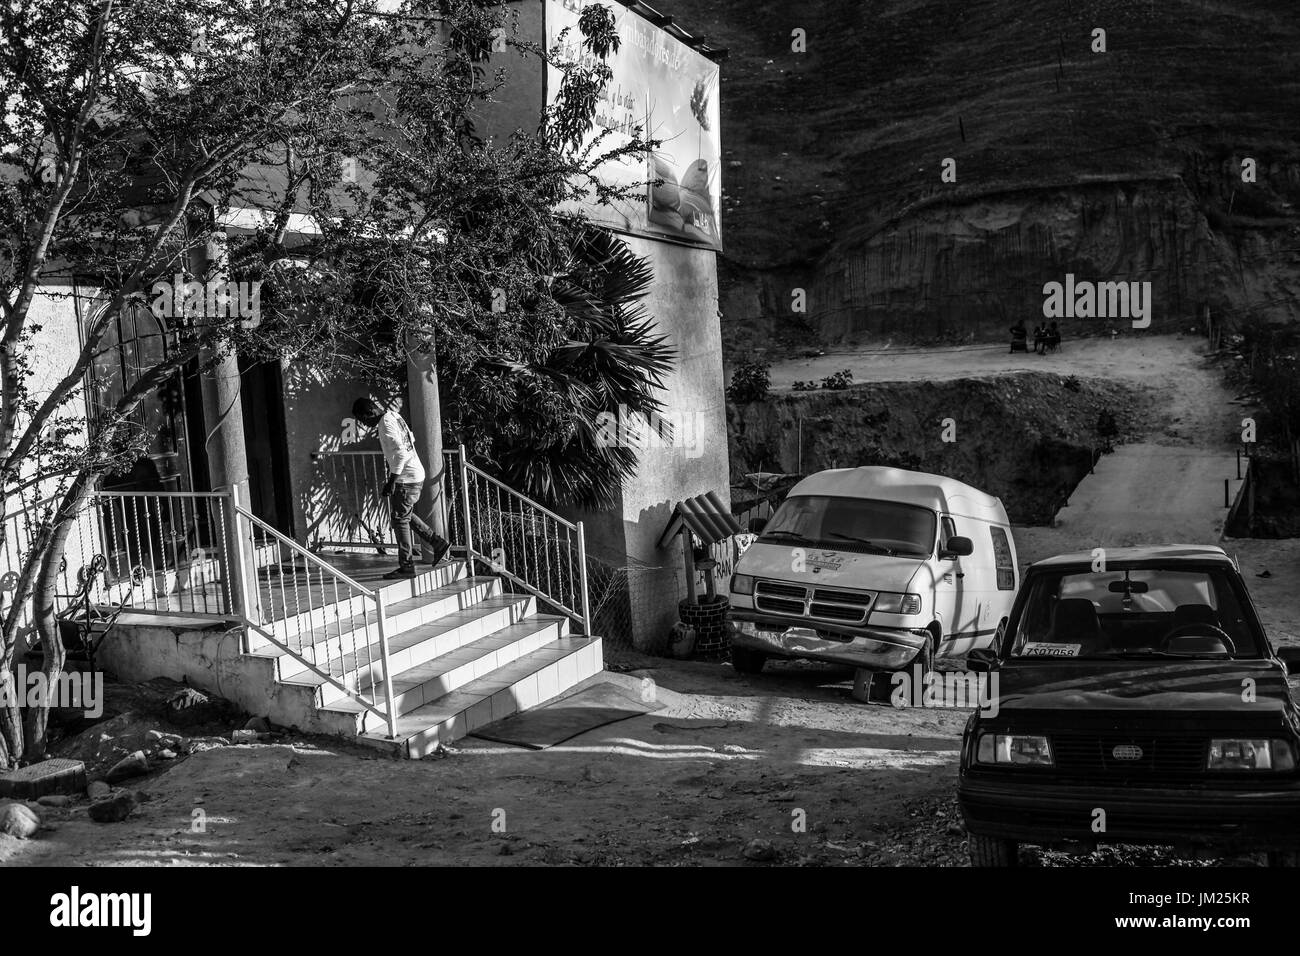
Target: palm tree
[613, 360]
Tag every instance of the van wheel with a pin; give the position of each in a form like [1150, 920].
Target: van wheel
[746, 661]
[990, 851]
[929, 651]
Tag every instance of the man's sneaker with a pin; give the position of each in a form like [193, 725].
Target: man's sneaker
[439, 552]
[402, 571]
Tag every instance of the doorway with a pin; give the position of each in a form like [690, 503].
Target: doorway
[266, 440]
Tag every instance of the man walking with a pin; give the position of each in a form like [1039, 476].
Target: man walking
[404, 485]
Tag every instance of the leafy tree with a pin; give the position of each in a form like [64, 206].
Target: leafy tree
[128, 125]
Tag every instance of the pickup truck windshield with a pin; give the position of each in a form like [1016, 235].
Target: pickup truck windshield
[853, 524]
[1147, 612]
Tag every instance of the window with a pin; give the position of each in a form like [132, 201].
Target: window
[854, 524]
[947, 531]
[1135, 612]
[135, 343]
[1002, 560]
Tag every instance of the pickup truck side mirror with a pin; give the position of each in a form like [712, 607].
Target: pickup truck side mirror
[958, 547]
[1290, 658]
[756, 525]
[982, 660]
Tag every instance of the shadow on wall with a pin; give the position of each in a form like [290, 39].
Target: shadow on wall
[336, 470]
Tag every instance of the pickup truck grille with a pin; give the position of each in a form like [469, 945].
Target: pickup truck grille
[1140, 754]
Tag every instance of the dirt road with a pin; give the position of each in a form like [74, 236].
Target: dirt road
[787, 757]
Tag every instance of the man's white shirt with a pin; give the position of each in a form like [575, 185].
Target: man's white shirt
[399, 449]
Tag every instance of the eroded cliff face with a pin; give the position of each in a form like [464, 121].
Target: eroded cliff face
[961, 271]
[1118, 165]
[1027, 438]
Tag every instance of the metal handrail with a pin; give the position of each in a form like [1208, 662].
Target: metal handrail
[581, 614]
[161, 494]
[572, 526]
[389, 711]
[306, 554]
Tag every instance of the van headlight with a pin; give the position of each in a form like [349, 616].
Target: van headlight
[742, 584]
[888, 602]
[1234, 753]
[1018, 750]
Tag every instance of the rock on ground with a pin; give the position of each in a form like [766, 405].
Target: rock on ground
[18, 821]
[114, 809]
[97, 789]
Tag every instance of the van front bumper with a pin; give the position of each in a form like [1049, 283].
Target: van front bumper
[875, 648]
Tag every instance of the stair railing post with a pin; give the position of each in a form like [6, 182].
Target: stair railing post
[241, 591]
[582, 579]
[464, 502]
[390, 705]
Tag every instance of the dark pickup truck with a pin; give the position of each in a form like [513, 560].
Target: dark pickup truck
[1139, 701]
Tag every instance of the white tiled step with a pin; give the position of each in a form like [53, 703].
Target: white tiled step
[526, 682]
[425, 683]
[349, 635]
[346, 632]
[418, 634]
[294, 617]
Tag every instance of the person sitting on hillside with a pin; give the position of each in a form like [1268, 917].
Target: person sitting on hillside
[1019, 337]
[1040, 339]
[1053, 338]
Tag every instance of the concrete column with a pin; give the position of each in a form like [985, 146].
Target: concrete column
[426, 428]
[223, 422]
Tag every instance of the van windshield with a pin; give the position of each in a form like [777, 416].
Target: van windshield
[853, 524]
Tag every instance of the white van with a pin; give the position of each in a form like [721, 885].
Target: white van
[874, 567]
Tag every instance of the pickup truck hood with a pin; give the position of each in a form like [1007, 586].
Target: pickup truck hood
[1154, 685]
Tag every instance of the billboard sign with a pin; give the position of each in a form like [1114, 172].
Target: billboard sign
[671, 92]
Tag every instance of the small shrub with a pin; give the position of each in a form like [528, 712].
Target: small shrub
[805, 386]
[839, 380]
[750, 382]
[1072, 384]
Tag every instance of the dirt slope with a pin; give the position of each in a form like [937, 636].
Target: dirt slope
[1123, 164]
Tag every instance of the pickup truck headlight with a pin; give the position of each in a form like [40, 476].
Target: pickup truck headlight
[1020, 750]
[888, 602]
[1235, 753]
[742, 584]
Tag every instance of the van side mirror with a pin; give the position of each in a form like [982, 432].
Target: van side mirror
[982, 660]
[756, 525]
[958, 547]
[1290, 658]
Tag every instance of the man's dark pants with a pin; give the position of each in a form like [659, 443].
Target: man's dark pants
[405, 521]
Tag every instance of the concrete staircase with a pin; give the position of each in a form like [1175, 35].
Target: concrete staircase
[463, 652]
